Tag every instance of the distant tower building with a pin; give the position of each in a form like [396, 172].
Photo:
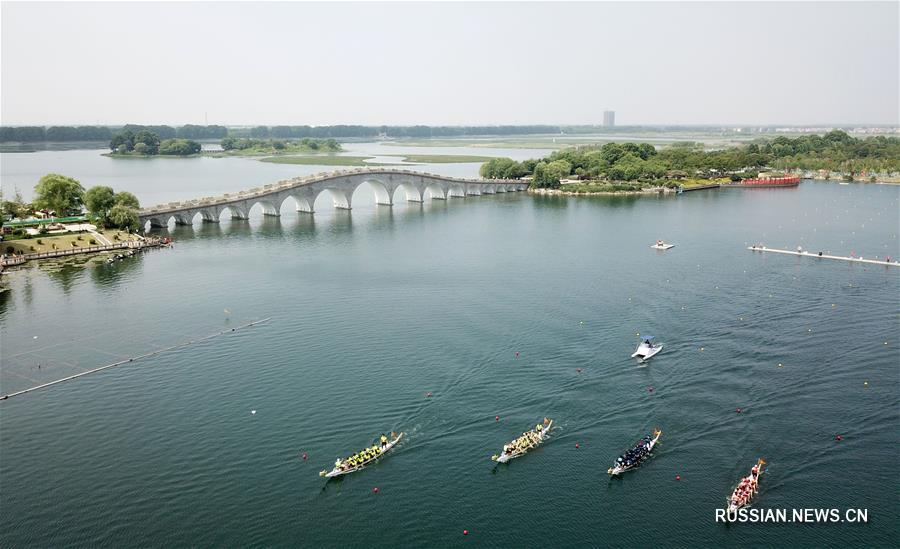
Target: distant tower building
[609, 119]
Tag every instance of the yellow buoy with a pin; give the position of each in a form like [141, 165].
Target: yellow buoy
[865, 383]
[701, 348]
[780, 365]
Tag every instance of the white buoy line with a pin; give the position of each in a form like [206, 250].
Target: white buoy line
[132, 359]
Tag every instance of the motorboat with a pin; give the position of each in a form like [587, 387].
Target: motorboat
[646, 348]
[662, 245]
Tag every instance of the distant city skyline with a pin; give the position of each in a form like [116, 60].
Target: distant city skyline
[673, 63]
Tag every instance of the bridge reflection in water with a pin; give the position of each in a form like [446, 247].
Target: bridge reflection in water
[340, 185]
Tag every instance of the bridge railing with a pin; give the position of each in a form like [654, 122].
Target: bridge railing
[301, 181]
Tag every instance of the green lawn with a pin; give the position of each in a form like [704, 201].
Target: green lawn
[442, 158]
[44, 243]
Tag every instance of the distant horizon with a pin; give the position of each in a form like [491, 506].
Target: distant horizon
[726, 125]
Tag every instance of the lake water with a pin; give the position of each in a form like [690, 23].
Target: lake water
[372, 309]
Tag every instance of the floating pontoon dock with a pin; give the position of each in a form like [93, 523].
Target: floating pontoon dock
[821, 255]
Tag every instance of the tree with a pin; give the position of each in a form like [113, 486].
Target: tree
[59, 193]
[124, 217]
[125, 198]
[99, 200]
[547, 175]
[122, 139]
[147, 138]
[15, 208]
[179, 147]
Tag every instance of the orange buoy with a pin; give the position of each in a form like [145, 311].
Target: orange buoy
[496, 418]
[677, 477]
[465, 532]
[375, 489]
[517, 354]
[428, 394]
[579, 370]
[650, 389]
[838, 438]
[577, 445]
[739, 410]
[304, 455]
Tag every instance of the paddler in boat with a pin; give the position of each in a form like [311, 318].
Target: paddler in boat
[384, 441]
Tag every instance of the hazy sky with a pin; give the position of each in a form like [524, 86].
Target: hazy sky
[459, 63]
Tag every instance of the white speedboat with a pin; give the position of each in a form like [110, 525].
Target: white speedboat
[525, 443]
[637, 455]
[362, 459]
[646, 348]
[662, 245]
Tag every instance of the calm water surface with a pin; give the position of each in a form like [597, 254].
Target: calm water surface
[372, 309]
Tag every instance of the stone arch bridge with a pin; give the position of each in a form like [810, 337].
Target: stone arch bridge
[339, 184]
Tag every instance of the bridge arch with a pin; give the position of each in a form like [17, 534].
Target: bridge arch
[268, 207]
[186, 218]
[456, 190]
[340, 198]
[382, 193]
[436, 191]
[411, 191]
[209, 215]
[234, 212]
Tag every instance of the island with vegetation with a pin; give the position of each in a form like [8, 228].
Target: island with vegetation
[62, 212]
[146, 143]
[633, 167]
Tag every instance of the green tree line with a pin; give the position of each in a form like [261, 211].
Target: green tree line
[834, 151]
[325, 145]
[66, 196]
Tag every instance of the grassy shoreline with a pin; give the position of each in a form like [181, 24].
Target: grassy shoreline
[442, 158]
[323, 160]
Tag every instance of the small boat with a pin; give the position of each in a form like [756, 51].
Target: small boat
[353, 464]
[646, 348]
[525, 443]
[744, 491]
[637, 455]
[662, 245]
[843, 183]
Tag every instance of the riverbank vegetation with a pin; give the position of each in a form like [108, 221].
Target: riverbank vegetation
[321, 160]
[232, 146]
[442, 158]
[644, 165]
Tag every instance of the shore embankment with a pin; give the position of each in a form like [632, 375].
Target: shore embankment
[19, 259]
[642, 192]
